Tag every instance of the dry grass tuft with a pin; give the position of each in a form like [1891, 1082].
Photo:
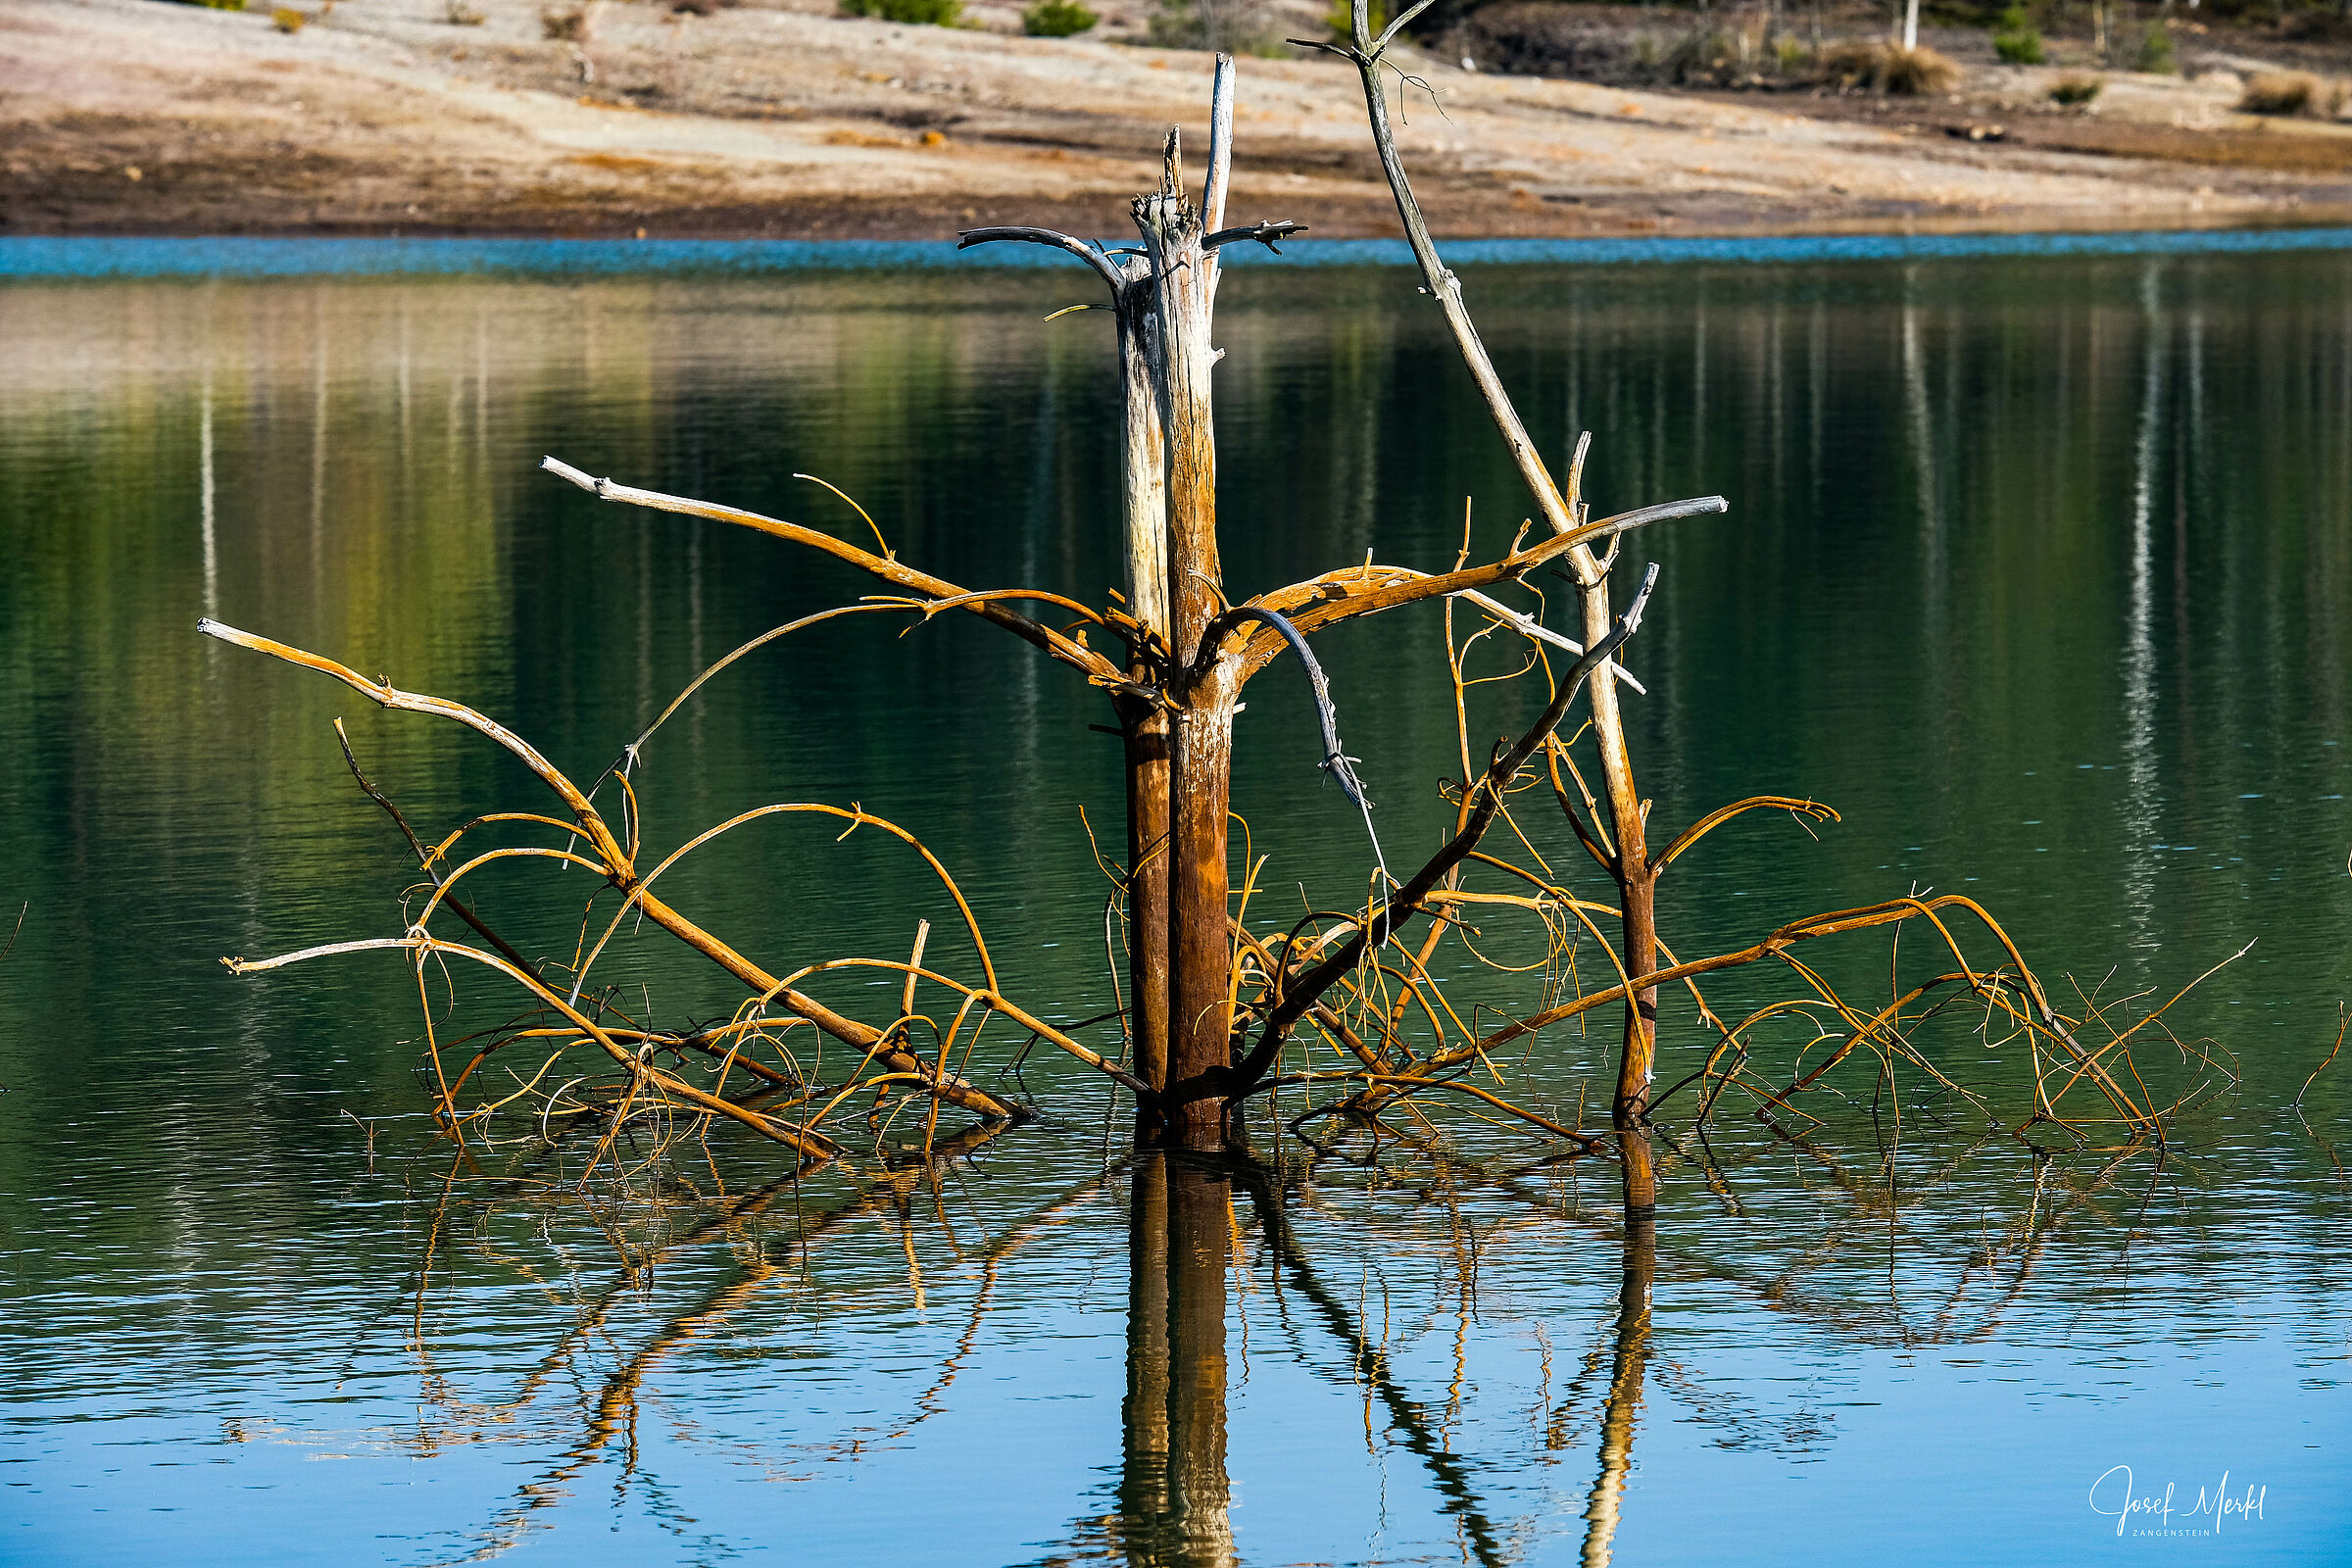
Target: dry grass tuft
[2292, 92]
[1888, 68]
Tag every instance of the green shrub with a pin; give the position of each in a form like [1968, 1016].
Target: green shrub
[2018, 48]
[916, 13]
[2016, 39]
[2156, 53]
[1056, 18]
[2074, 90]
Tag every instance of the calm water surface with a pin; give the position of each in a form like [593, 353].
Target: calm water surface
[2039, 571]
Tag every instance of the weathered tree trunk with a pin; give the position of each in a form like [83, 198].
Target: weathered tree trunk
[1149, 738]
[1563, 510]
[1200, 1025]
[1636, 894]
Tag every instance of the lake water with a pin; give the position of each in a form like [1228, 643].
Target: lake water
[2038, 569]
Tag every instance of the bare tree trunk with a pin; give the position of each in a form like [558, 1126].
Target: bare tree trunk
[1910, 23]
[1199, 1048]
[1636, 891]
[1563, 510]
[1177, 720]
[1143, 459]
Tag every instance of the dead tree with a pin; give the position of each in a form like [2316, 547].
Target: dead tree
[1216, 1016]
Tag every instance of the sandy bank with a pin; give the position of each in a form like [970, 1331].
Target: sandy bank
[379, 117]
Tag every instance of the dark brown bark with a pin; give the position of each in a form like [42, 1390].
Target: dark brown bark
[1150, 747]
[1635, 1062]
[1201, 1025]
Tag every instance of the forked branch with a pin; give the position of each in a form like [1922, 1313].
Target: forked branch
[1300, 993]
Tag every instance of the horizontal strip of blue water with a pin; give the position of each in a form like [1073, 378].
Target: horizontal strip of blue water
[233, 257]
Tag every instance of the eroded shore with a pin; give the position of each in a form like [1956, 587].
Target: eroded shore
[380, 117]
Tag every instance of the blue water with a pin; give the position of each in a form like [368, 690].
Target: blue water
[2039, 568]
[42, 257]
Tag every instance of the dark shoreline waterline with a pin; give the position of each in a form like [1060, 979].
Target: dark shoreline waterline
[48, 258]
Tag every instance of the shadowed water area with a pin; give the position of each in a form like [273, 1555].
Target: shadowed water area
[2040, 572]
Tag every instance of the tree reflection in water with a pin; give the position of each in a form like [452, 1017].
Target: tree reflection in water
[1197, 1229]
[1174, 1489]
[1624, 1408]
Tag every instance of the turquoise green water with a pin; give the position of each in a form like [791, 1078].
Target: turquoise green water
[2040, 571]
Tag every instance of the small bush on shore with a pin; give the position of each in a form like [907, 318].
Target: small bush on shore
[1913, 72]
[458, 14]
[2014, 38]
[915, 13]
[2156, 53]
[2073, 91]
[1704, 57]
[1058, 18]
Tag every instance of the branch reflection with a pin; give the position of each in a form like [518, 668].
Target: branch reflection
[1624, 1408]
